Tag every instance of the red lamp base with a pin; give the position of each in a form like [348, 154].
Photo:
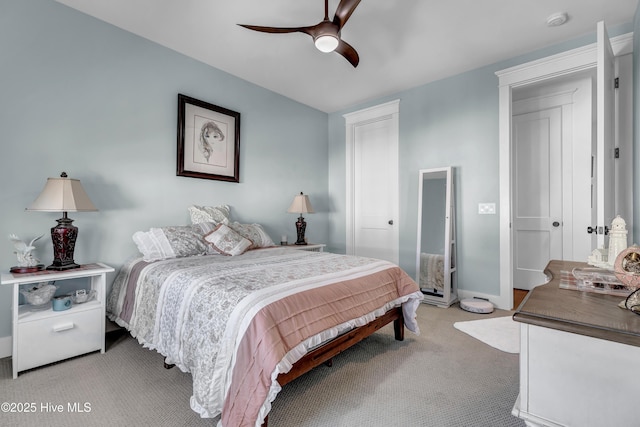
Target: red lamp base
[64, 237]
[301, 225]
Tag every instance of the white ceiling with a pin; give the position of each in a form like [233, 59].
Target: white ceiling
[401, 43]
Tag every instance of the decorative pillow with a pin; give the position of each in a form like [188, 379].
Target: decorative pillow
[226, 241]
[253, 232]
[173, 241]
[218, 214]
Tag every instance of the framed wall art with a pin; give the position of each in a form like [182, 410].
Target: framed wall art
[208, 141]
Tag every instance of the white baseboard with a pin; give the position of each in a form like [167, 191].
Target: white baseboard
[5, 346]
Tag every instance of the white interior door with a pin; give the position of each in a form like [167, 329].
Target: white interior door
[605, 141]
[372, 182]
[537, 216]
[374, 192]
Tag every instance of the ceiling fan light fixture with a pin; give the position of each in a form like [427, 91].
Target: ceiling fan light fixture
[326, 33]
[326, 43]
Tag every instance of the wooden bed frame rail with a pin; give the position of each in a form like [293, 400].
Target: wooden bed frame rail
[327, 351]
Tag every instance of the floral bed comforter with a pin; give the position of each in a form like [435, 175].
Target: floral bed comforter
[236, 322]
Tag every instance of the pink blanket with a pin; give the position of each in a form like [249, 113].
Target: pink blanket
[283, 324]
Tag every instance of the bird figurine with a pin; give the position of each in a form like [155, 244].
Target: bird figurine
[23, 251]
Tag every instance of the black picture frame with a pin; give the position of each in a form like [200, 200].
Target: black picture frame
[208, 141]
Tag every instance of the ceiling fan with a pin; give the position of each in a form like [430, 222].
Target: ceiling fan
[326, 34]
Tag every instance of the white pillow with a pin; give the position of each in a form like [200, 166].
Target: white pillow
[173, 242]
[226, 241]
[255, 233]
[218, 214]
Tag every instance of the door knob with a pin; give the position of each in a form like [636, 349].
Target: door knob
[390, 222]
[555, 223]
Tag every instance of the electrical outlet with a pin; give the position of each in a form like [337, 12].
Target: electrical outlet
[487, 208]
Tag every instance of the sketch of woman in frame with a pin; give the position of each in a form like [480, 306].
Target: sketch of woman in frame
[211, 138]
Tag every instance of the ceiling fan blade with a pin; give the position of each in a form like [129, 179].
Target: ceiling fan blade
[344, 11]
[278, 30]
[349, 53]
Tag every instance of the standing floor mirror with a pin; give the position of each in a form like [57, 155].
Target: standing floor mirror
[436, 251]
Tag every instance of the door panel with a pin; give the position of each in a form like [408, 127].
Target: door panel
[604, 153]
[372, 182]
[533, 251]
[373, 190]
[537, 165]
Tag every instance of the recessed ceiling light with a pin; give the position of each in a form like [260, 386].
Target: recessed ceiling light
[557, 19]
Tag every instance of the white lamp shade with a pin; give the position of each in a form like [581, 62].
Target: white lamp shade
[300, 205]
[62, 195]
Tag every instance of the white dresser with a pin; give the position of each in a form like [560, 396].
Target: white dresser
[579, 354]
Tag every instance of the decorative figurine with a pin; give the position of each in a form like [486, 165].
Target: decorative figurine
[627, 266]
[598, 257]
[26, 261]
[617, 239]
[627, 270]
[606, 257]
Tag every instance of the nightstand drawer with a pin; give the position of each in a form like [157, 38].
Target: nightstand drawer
[51, 339]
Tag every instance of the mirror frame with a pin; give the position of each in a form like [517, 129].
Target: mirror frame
[450, 294]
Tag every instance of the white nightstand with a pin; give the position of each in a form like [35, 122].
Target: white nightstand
[42, 336]
[319, 247]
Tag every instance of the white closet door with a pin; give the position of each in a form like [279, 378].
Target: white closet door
[372, 182]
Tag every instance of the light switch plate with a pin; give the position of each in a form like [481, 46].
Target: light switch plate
[486, 208]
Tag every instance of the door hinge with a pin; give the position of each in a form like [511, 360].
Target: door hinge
[616, 82]
[616, 153]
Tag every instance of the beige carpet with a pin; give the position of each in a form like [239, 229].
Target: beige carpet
[440, 378]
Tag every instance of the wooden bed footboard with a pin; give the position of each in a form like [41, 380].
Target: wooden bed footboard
[325, 352]
[332, 348]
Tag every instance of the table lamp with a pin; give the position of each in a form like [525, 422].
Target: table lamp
[63, 195]
[300, 205]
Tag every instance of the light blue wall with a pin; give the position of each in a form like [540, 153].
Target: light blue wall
[451, 122]
[85, 97]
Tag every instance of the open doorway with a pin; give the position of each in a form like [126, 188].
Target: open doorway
[551, 177]
[565, 64]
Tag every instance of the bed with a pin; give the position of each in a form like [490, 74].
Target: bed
[245, 325]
